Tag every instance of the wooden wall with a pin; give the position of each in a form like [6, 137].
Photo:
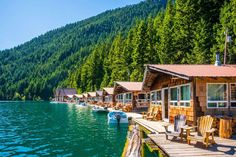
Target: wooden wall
[163, 81]
[201, 95]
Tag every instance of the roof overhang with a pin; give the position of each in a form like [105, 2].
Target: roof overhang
[169, 72]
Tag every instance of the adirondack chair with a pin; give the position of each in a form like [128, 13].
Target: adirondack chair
[154, 114]
[204, 131]
[179, 125]
[150, 112]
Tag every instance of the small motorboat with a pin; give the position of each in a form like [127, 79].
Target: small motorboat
[117, 117]
[82, 104]
[99, 109]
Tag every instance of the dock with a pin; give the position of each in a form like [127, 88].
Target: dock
[177, 148]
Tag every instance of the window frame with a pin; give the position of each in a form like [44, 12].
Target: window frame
[185, 101]
[217, 106]
[174, 101]
[230, 96]
[156, 102]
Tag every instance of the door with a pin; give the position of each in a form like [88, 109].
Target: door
[165, 105]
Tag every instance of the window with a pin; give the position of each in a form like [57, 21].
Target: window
[128, 97]
[119, 98]
[233, 95]
[142, 96]
[174, 96]
[185, 95]
[156, 97]
[216, 95]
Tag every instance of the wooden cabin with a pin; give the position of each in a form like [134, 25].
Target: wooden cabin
[61, 94]
[109, 97]
[192, 90]
[129, 96]
[78, 98]
[85, 97]
[92, 99]
[99, 97]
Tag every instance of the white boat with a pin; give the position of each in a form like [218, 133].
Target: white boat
[99, 109]
[82, 104]
[117, 117]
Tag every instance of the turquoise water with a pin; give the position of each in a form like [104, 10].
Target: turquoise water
[44, 129]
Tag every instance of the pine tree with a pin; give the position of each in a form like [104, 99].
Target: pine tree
[138, 55]
[184, 25]
[201, 49]
[166, 42]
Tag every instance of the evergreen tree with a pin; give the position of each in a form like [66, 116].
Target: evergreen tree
[166, 39]
[138, 55]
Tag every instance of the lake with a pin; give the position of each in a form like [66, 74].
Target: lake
[44, 129]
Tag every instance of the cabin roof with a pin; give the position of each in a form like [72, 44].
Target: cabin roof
[65, 91]
[109, 90]
[78, 95]
[70, 96]
[92, 94]
[195, 70]
[85, 95]
[99, 93]
[130, 86]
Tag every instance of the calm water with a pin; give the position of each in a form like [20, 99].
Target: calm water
[44, 129]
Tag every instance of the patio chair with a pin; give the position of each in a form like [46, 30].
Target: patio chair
[154, 114]
[150, 112]
[204, 131]
[179, 125]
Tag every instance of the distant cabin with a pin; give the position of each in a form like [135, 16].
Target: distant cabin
[129, 96]
[61, 94]
[109, 97]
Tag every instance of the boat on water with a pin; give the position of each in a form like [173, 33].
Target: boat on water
[99, 109]
[57, 102]
[117, 117]
[81, 104]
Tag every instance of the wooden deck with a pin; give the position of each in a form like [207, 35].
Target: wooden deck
[176, 148]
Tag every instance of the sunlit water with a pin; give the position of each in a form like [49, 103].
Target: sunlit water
[44, 129]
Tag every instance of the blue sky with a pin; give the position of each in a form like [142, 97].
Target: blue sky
[22, 20]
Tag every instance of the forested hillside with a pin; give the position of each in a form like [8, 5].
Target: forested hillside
[115, 45]
[187, 32]
[33, 70]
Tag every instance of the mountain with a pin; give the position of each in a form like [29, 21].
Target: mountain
[34, 69]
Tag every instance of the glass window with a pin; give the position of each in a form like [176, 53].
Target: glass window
[217, 92]
[141, 96]
[185, 93]
[153, 96]
[158, 95]
[233, 95]
[174, 94]
[217, 95]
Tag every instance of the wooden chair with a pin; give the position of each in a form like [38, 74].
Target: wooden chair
[179, 125]
[150, 112]
[204, 131]
[154, 114]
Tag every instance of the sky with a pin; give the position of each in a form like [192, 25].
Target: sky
[22, 20]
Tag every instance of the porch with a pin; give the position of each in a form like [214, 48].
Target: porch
[156, 141]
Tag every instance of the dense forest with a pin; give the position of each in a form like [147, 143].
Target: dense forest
[115, 45]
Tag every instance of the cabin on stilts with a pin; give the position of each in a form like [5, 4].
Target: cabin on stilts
[99, 97]
[78, 98]
[64, 94]
[109, 98]
[85, 97]
[191, 90]
[92, 99]
[129, 96]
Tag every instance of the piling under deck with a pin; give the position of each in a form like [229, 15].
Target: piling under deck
[177, 148]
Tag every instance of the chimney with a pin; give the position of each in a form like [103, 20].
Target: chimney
[217, 62]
